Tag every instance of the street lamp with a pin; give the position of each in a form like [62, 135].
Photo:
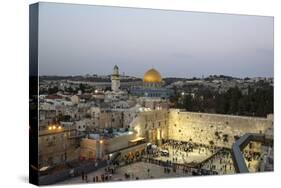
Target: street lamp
[100, 149]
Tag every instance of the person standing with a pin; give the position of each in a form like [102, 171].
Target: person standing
[83, 175]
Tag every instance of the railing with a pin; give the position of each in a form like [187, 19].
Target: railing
[143, 144]
[193, 168]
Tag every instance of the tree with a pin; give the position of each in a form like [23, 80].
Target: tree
[53, 90]
[82, 87]
[188, 102]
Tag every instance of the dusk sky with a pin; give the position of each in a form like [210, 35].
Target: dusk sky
[81, 39]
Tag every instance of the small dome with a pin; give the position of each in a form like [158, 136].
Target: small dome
[153, 76]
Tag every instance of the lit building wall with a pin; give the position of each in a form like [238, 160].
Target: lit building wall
[88, 149]
[213, 129]
[118, 142]
[152, 125]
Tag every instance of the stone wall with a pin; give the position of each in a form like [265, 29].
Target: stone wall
[152, 125]
[55, 147]
[207, 128]
[88, 148]
[118, 142]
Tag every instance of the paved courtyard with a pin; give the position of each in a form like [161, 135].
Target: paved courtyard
[221, 163]
[138, 170]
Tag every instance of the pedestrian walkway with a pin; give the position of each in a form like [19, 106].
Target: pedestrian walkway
[134, 171]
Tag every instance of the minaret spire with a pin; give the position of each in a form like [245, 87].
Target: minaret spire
[115, 79]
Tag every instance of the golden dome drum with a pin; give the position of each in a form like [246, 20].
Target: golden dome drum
[152, 76]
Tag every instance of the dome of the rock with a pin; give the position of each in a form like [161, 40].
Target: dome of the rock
[152, 76]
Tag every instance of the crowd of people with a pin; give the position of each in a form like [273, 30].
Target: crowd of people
[221, 162]
[180, 152]
[217, 161]
[252, 159]
[188, 146]
[169, 167]
[106, 176]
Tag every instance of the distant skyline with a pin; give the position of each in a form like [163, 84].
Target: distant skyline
[86, 39]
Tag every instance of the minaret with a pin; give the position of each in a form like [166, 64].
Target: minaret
[115, 79]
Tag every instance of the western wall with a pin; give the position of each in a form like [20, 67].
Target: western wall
[214, 129]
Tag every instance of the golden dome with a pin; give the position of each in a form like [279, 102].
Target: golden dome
[152, 75]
